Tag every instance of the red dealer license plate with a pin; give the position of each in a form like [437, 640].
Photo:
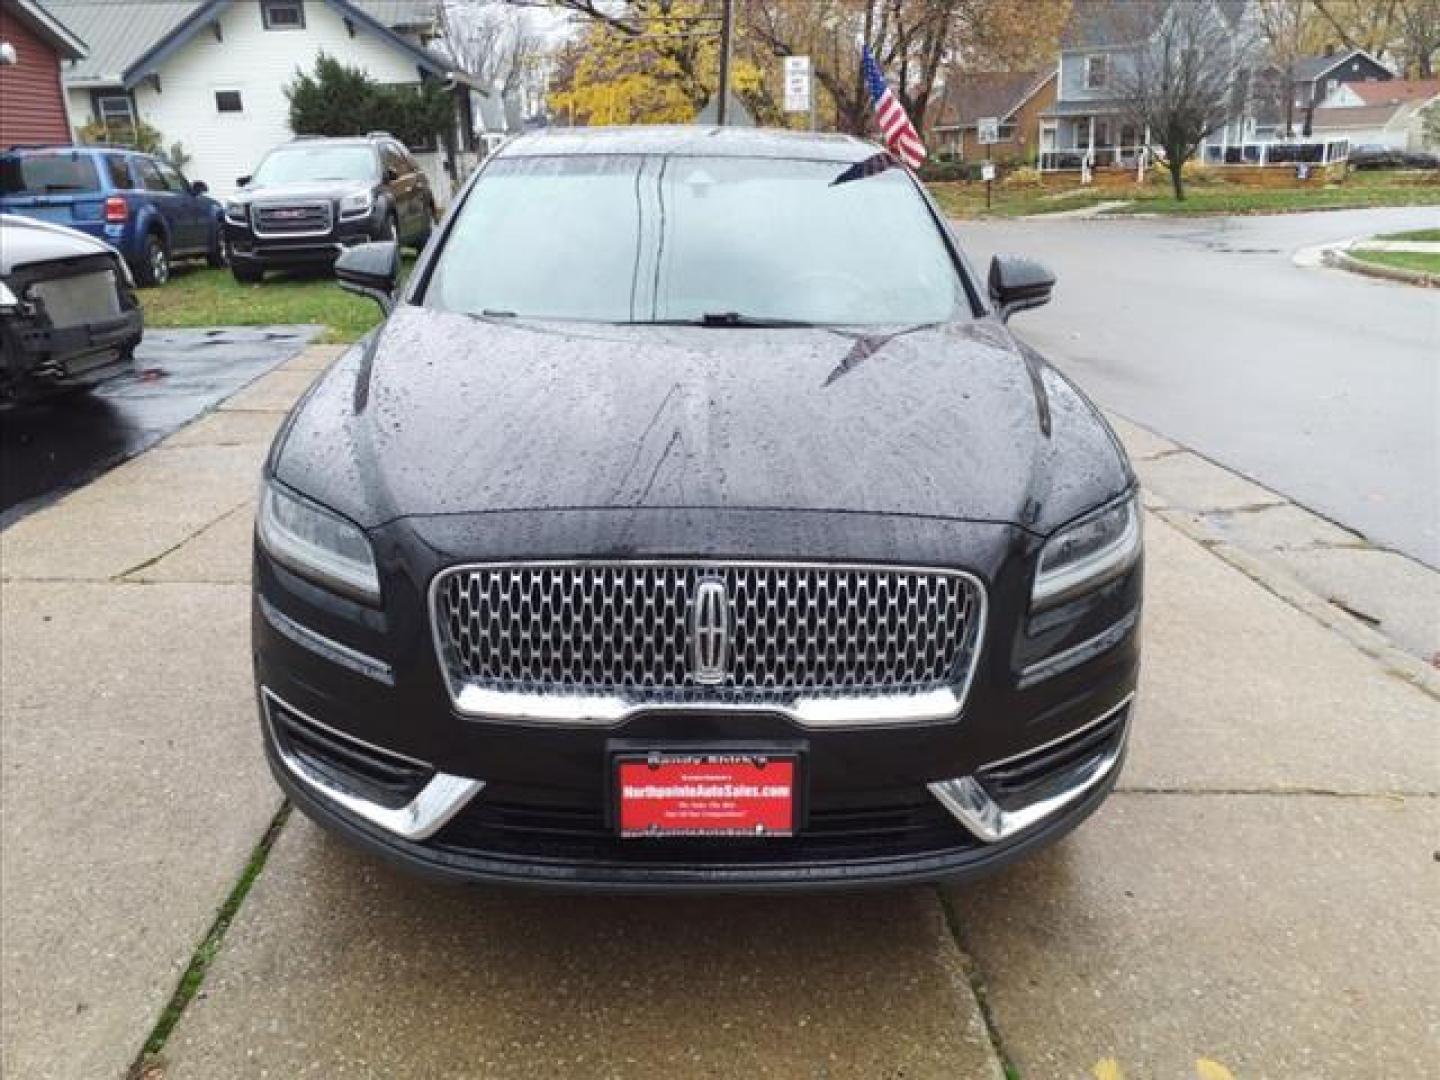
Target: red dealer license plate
[707, 795]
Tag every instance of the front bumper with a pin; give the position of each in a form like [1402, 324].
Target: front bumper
[453, 829]
[37, 356]
[246, 248]
[367, 727]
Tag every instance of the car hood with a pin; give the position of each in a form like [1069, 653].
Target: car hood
[25, 240]
[446, 414]
[311, 189]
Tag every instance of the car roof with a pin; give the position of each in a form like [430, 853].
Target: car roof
[35, 149]
[690, 140]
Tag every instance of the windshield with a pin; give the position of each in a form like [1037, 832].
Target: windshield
[298, 164]
[47, 174]
[724, 241]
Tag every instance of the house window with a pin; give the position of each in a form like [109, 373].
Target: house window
[116, 113]
[283, 14]
[1095, 71]
[228, 101]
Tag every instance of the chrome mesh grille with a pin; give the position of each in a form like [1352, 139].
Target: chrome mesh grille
[624, 628]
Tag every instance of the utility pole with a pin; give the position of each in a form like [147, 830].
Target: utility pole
[727, 19]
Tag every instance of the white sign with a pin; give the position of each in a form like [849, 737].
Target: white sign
[987, 171]
[797, 84]
[989, 129]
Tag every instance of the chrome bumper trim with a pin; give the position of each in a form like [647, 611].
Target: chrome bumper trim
[971, 805]
[442, 797]
[597, 710]
[330, 649]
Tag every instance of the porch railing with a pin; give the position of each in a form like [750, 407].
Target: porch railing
[1072, 160]
[1288, 152]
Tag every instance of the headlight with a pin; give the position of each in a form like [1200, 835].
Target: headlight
[357, 205]
[1089, 553]
[317, 544]
[8, 299]
[235, 211]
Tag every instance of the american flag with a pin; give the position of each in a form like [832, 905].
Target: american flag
[900, 134]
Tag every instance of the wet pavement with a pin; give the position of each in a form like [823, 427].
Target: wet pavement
[49, 448]
[1320, 385]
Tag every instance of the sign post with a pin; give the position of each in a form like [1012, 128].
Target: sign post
[798, 98]
[987, 131]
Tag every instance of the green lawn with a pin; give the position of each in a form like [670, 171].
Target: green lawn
[1426, 261]
[199, 296]
[1361, 189]
[1431, 235]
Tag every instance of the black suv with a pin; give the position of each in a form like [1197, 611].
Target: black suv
[312, 198]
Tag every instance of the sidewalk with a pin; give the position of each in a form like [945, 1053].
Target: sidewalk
[1259, 894]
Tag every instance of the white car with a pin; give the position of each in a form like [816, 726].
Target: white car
[68, 314]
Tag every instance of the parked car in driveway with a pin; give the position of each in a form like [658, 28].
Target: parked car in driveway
[68, 314]
[137, 203]
[694, 520]
[312, 198]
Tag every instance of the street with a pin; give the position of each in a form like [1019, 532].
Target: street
[1319, 384]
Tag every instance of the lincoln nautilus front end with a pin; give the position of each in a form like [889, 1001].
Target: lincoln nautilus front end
[694, 520]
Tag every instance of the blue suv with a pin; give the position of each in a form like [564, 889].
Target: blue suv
[138, 204]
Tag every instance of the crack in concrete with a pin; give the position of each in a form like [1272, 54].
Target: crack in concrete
[147, 563]
[191, 980]
[976, 980]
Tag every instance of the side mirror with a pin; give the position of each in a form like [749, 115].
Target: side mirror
[199, 187]
[1017, 283]
[241, 181]
[370, 270]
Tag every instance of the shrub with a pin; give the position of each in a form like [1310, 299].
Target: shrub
[943, 171]
[1023, 177]
[338, 99]
[139, 136]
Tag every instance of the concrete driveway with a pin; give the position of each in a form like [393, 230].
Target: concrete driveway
[1258, 899]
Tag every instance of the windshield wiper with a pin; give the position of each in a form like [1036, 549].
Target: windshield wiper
[730, 319]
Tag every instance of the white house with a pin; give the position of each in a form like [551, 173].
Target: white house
[211, 74]
[1384, 114]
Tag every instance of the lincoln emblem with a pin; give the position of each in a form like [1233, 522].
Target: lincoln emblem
[709, 632]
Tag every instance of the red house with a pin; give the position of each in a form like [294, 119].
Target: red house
[32, 100]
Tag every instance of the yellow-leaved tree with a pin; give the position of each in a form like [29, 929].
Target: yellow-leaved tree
[657, 63]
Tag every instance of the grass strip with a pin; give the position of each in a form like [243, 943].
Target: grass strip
[1424, 261]
[145, 1064]
[977, 984]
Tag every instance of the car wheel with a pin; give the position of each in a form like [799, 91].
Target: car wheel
[246, 274]
[154, 268]
[219, 253]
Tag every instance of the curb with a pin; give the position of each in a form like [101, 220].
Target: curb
[1343, 260]
[1287, 587]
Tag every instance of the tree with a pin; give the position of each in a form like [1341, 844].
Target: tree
[1292, 29]
[913, 40]
[660, 65]
[339, 99]
[492, 41]
[1180, 86]
[1418, 23]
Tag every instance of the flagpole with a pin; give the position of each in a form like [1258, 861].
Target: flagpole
[726, 35]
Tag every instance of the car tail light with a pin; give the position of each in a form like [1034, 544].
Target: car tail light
[115, 209]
